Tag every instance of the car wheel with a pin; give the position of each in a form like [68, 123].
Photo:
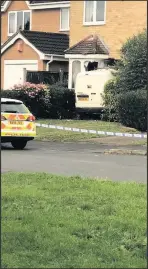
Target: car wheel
[19, 144]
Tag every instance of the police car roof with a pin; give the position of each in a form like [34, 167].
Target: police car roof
[3, 100]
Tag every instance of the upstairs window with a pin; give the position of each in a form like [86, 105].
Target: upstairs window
[94, 12]
[18, 20]
[64, 19]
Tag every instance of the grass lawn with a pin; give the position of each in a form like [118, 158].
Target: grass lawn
[57, 222]
[59, 135]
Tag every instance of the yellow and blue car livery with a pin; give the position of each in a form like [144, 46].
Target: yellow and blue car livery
[17, 123]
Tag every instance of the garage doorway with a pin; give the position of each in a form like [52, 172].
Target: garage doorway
[15, 71]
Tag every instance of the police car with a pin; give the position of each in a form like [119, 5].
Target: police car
[17, 123]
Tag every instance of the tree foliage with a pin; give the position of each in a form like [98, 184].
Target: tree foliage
[123, 94]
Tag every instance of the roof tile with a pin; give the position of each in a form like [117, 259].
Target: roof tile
[90, 45]
[48, 43]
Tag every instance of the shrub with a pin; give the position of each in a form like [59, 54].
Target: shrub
[132, 70]
[44, 101]
[33, 95]
[131, 77]
[110, 101]
[132, 109]
[62, 101]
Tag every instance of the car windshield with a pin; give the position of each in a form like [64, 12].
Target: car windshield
[12, 107]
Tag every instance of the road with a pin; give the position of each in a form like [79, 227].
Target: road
[73, 159]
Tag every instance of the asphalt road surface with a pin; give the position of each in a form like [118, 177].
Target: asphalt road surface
[73, 159]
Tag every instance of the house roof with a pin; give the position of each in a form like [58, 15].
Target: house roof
[90, 45]
[46, 43]
[38, 1]
[39, 4]
[45, 1]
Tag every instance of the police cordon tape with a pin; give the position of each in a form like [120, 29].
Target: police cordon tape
[78, 130]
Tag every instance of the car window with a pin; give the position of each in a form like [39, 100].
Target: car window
[11, 107]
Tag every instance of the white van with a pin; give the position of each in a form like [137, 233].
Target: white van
[88, 89]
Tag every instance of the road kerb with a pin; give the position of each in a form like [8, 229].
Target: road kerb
[126, 152]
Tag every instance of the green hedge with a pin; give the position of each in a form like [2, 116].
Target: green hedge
[132, 109]
[125, 96]
[133, 65]
[110, 100]
[62, 102]
[44, 101]
[128, 108]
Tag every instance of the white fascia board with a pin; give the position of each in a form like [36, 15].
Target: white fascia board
[55, 57]
[59, 59]
[11, 42]
[90, 56]
[5, 6]
[28, 3]
[51, 5]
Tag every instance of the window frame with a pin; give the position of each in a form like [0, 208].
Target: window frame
[64, 30]
[15, 12]
[94, 22]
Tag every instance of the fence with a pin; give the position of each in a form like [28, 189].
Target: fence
[46, 77]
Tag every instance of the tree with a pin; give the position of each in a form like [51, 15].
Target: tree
[132, 70]
[131, 77]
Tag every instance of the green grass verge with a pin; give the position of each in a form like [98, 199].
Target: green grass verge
[57, 222]
[59, 135]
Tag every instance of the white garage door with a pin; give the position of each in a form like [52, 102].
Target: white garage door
[14, 71]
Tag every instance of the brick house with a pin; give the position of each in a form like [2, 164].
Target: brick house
[97, 31]
[72, 35]
[34, 36]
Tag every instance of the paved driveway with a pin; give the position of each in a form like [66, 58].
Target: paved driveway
[74, 159]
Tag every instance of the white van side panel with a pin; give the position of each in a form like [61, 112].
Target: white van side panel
[90, 86]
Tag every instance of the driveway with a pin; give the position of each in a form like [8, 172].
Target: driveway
[81, 159]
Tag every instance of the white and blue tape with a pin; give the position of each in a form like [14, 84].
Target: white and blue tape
[78, 130]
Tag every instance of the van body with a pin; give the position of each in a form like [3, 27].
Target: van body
[88, 89]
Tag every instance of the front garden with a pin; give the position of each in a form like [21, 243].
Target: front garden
[125, 96]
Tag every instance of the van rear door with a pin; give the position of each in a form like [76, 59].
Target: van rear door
[89, 88]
